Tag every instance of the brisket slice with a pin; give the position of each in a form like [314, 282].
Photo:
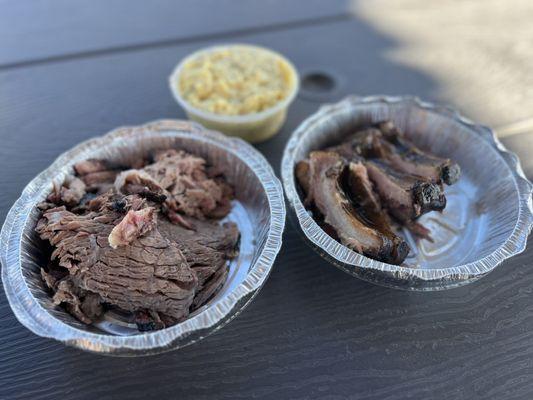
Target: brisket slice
[84, 305]
[149, 273]
[210, 288]
[114, 248]
[207, 249]
[326, 171]
[206, 237]
[184, 181]
[98, 175]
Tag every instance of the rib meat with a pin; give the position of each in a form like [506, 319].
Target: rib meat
[405, 196]
[384, 141]
[394, 147]
[361, 191]
[326, 171]
[365, 143]
[386, 180]
[302, 175]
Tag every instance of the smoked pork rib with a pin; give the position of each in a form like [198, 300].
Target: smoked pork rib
[405, 196]
[383, 180]
[384, 141]
[410, 159]
[326, 174]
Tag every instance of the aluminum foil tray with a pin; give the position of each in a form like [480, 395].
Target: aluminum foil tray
[489, 212]
[258, 210]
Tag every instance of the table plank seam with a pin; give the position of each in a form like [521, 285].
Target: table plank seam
[178, 41]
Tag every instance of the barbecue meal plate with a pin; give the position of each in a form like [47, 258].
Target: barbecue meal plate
[488, 213]
[257, 211]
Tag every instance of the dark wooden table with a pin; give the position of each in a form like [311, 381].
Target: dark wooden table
[73, 70]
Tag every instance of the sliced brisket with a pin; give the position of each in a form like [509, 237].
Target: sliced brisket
[150, 273]
[141, 240]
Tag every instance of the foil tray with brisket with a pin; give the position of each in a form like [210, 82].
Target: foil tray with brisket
[144, 240]
[376, 181]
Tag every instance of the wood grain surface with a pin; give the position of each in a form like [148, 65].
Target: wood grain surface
[313, 332]
[37, 30]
